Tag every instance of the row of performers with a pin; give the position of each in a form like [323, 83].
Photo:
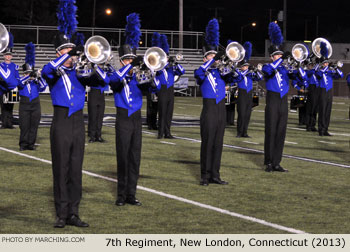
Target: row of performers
[67, 89]
[310, 101]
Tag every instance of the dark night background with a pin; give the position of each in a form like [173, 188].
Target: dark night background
[333, 16]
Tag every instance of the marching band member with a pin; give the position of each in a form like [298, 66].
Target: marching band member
[166, 78]
[312, 97]
[245, 86]
[276, 110]
[96, 99]
[10, 80]
[152, 98]
[301, 85]
[213, 116]
[67, 133]
[128, 126]
[29, 105]
[325, 76]
[230, 108]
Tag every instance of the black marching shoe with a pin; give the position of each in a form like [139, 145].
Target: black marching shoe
[217, 181]
[100, 139]
[308, 129]
[238, 136]
[60, 223]
[76, 221]
[133, 202]
[92, 140]
[327, 134]
[246, 135]
[313, 129]
[269, 168]
[31, 147]
[279, 168]
[159, 136]
[120, 202]
[204, 182]
[169, 136]
[320, 133]
[23, 148]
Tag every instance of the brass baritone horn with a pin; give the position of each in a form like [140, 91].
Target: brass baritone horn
[300, 52]
[4, 38]
[97, 49]
[155, 59]
[235, 52]
[179, 57]
[316, 47]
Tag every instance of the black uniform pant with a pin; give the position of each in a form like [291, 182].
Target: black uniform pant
[29, 119]
[230, 114]
[302, 112]
[244, 110]
[152, 110]
[165, 109]
[6, 114]
[276, 116]
[67, 138]
[96, 110]
[312, 106]
[212, 128]
[324, 109]
[128, 144]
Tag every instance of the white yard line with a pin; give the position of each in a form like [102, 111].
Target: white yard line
[174, 197]
[260, 151]
[326, 142]
[164, 142]
[290, 142]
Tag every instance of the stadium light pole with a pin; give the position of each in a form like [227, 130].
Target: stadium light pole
[285, 20]
[93, 17]
[181, 23]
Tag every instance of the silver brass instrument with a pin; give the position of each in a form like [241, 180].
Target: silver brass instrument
[96, 50]
[179, 57]
[235, 53]
[300, 52]
[335, 65]
[4, 38]
[155, 59]
[316, 47]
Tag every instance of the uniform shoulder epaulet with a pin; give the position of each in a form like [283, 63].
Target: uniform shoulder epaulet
[17, 67]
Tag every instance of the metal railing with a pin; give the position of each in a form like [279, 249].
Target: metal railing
[45, 34]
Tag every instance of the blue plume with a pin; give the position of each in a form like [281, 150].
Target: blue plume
[30, 54]
[10, 45]
[164, 43]
[324, 50]
[229, 41]
[80, 38]
[156, 39]
[132, 30]
[248, 50]
[275, 34]
[66, 14]
[212, 32]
